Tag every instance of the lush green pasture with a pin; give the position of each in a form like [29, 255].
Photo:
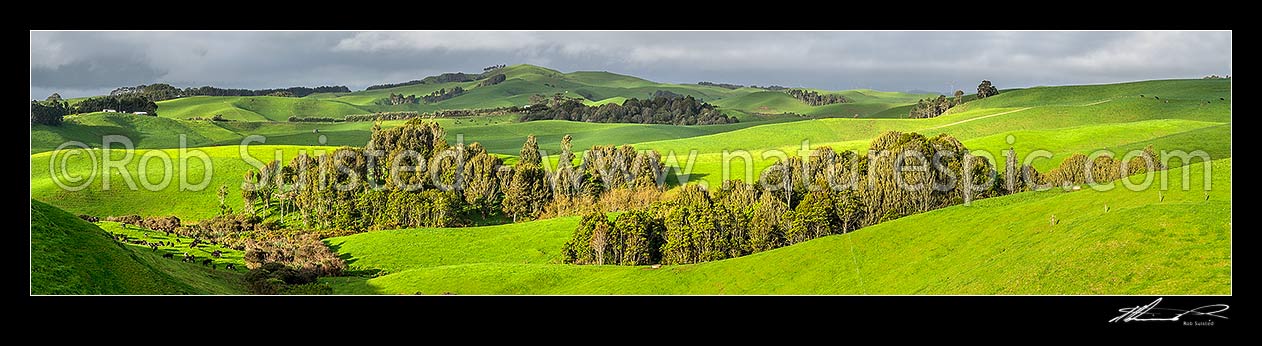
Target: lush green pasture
[537, 242]
[195, 201]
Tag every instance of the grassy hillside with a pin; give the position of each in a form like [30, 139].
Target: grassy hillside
[1104, 122]
[191, 203]
[393, 251]
[71, 256]
[500, 134]
[1138, 244]
[866, 104]
[522, 81]
[253, 108]
[143, 131]
[1116, 124]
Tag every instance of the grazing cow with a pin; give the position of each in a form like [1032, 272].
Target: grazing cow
[168, 255]
[217, 253]
[231, 266]
[207, 262]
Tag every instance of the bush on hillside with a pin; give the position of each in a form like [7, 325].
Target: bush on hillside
[50, 112]
[133, 220]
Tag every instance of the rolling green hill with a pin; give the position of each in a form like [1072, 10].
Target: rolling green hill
[597, 87]
[254, 108]
[1113, 242]
[1116, 124]
[1178, 243]
[71, 256]
[866, 104]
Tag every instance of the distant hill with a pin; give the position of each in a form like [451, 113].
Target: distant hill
[520, 82]
[922, 91]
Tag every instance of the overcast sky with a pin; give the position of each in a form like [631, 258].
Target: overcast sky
[92, 63]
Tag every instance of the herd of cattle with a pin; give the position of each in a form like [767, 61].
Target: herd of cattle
[187, 257]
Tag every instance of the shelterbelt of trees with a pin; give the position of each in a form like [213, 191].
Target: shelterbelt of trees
[661, 109]
[162, 91]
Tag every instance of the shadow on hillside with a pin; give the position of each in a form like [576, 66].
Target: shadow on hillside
[352, 281]
[673, 179]
[350, 263]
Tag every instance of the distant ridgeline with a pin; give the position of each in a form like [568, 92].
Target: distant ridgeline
[810, 97]
[722, 85]
[162, 91]
[738, 86]
[457, 77]
[684, 110]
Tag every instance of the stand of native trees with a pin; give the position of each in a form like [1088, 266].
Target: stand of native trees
[799, 200]
[409, 176]
[436, 184]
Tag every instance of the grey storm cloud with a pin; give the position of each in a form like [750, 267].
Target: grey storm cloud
[86, 63]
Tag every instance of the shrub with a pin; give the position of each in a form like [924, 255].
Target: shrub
[134, 220]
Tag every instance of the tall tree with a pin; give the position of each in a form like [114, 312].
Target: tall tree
[985, 90]
[530, 152]
[482, 190]
[526, 193]
[768, 223]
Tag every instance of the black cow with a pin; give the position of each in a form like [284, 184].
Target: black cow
[207, 262]
[168, 255]
[231, 266]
